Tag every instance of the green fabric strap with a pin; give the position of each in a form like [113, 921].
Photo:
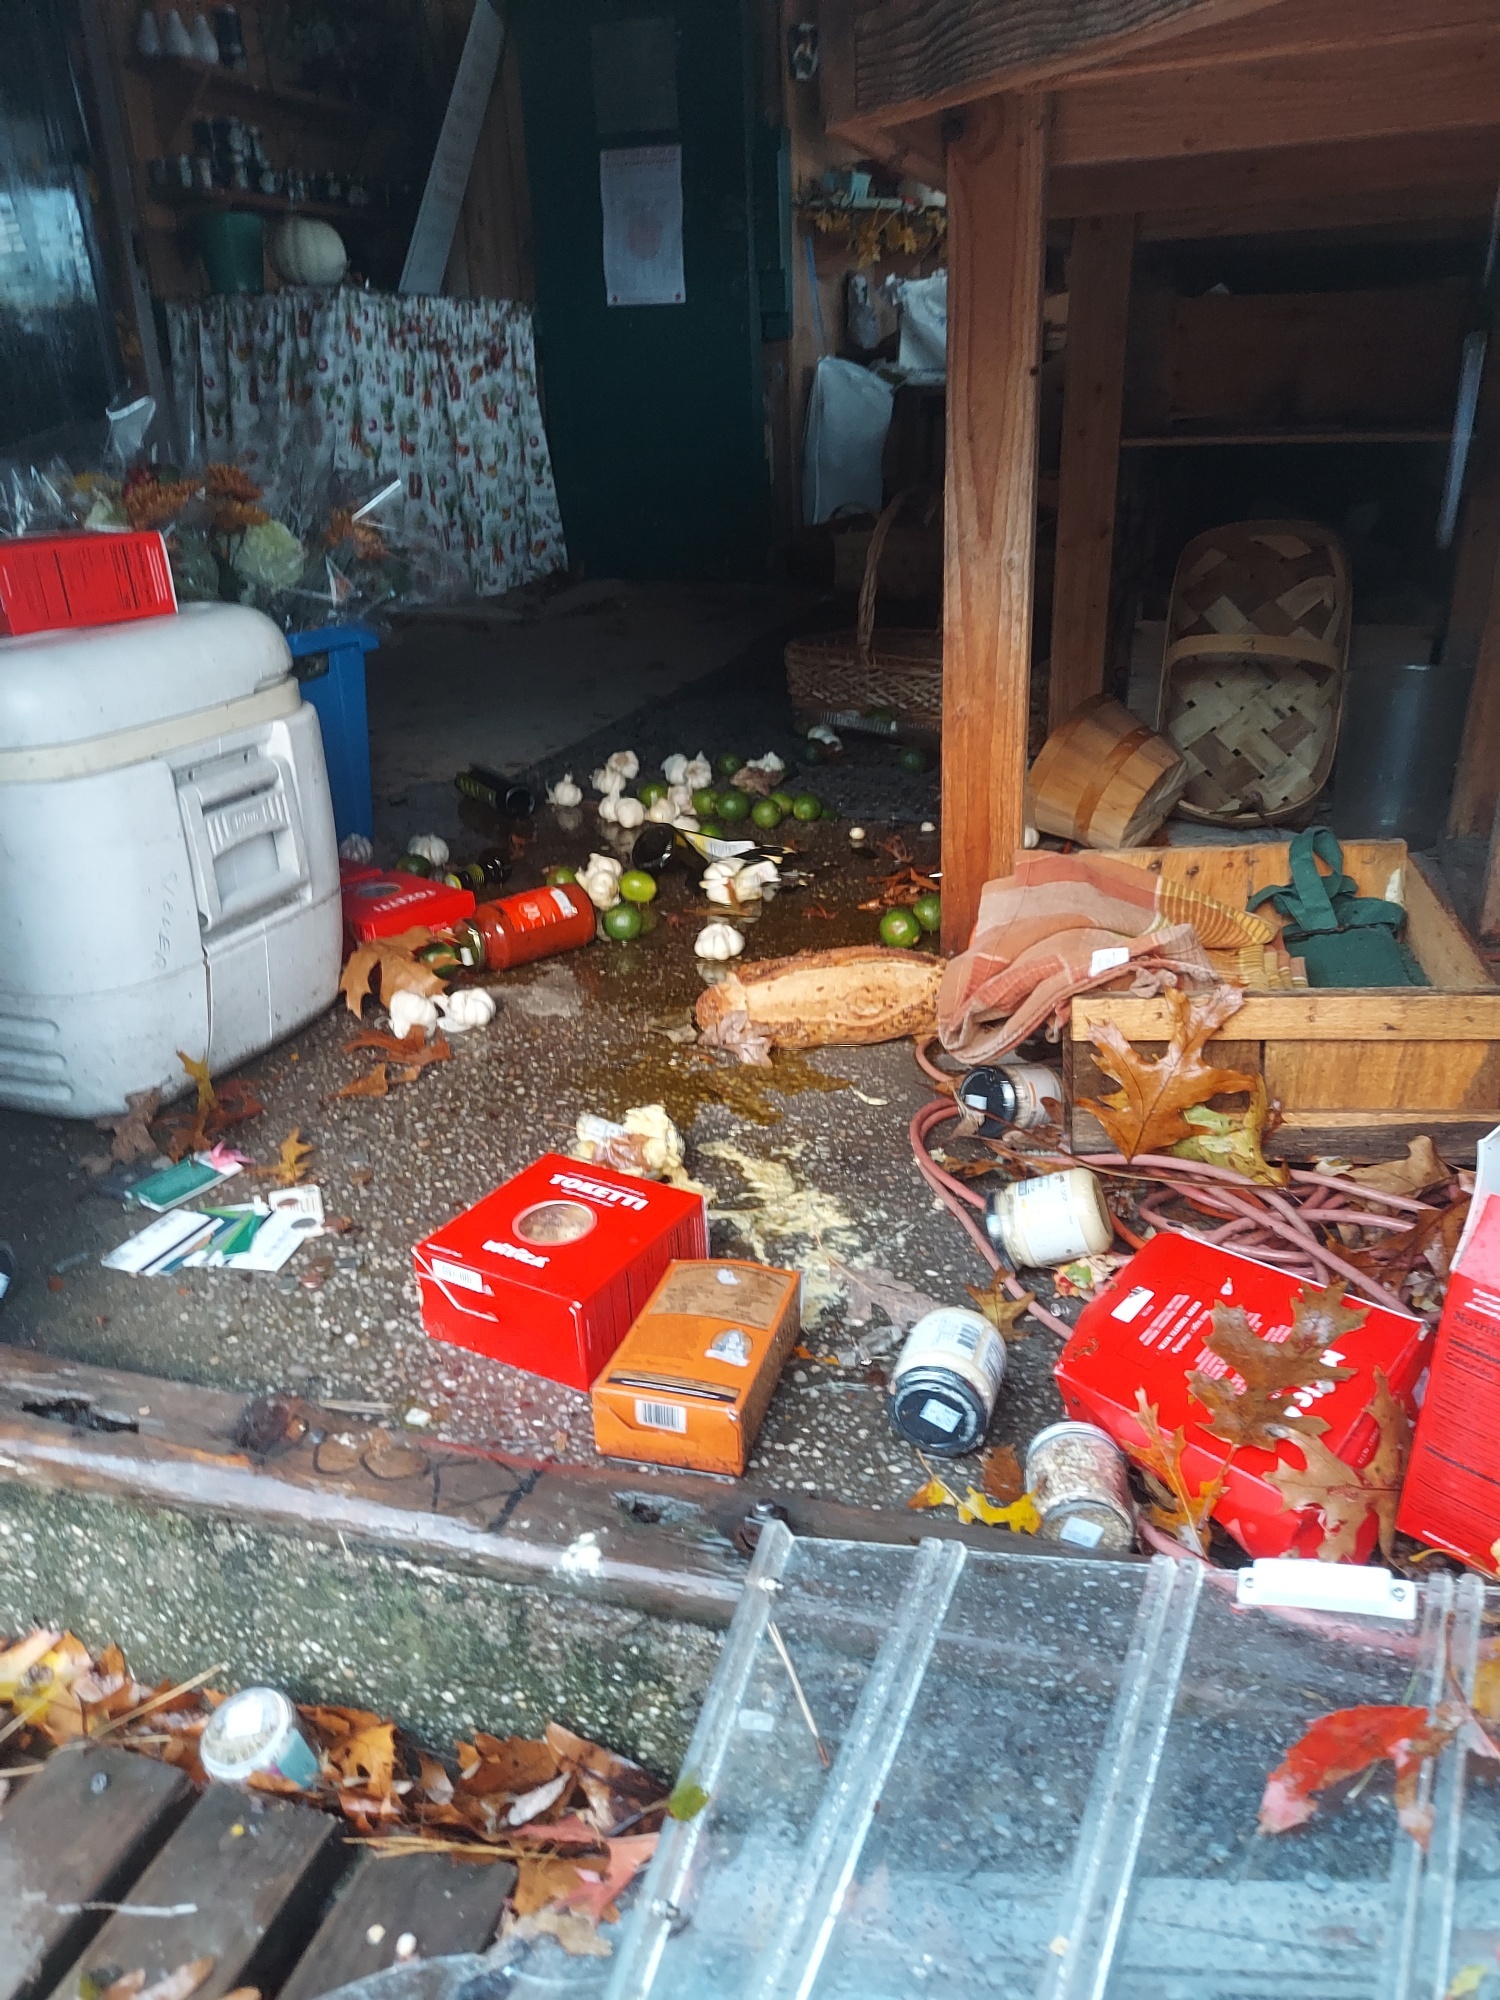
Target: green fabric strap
[1344, 938]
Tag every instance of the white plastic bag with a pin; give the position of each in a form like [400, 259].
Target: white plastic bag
[924, 324]
[848, 415]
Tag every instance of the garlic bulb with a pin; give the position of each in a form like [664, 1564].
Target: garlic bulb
[469, 1007]
[673, 767]
[600, 881]
[565, 792]
[625, 763]
[609, 809]
[734, 883]
[771, 764]
[354, 846]
[698, 773]
[411, 1010]
[430, 847]
[610, 783]
[686, 822]
[661, 812]
[629, 813]
[718, 941]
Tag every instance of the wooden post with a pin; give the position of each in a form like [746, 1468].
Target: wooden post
[1093, 389]
[1473, 636]
[996, 241]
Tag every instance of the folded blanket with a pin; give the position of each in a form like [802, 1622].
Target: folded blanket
[1065, 923]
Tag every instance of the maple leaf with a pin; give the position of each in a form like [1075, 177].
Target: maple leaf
[1232, 1139]
[1001, 1476]
[1344, 1743]
[1145, 1114]
[1269, 1372]
[390, 962]
[1176, 1511]
[287, 1169]
[366, 1756]
[1000, 1309]
[1347, 1495]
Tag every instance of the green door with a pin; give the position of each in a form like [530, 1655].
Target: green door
[654, 411]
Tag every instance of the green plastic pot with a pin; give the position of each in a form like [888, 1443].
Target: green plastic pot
[231, 245]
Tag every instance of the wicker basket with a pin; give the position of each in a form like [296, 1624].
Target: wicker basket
[1252, 683]
[838, 676]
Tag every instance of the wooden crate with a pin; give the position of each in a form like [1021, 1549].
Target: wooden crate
[1356, 1072]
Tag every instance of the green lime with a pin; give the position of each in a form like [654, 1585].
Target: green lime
[636, 886]
[783, 802]
[710, 829]
[651, 791]
[898, 927]
[556, 877]
[766, 813]
[885, 715]
[814, 752]
[928, 911]
[728, 764]
[912, 759]
[622, 923]
[705, 800]
[806, 807]
[413, 864]
[733, 806]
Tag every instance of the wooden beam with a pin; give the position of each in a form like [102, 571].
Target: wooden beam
[1093, 389]
[1376, 93]
[996, 245]
[1473, 635]
[892, 60]
[1294, 28]
[1407, 215]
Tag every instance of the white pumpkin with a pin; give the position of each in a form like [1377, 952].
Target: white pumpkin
[306, 252]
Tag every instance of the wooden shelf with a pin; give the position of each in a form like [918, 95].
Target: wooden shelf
[1169, 440]
[198, 81]
[259, 204]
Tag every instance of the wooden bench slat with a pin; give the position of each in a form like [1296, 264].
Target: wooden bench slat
[447, 1905]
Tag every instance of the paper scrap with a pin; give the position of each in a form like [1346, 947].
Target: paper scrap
[640, 192]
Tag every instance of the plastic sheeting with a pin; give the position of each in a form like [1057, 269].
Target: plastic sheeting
[848, 415]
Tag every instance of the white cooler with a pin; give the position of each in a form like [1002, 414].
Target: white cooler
[168, 871]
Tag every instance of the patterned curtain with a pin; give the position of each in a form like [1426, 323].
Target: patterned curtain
[440, 392]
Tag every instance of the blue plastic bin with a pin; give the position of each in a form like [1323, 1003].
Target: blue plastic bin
[330, 663]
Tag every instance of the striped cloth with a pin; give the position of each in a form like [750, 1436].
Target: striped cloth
[1059, 926]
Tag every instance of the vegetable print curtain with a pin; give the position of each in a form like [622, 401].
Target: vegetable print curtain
[440, 392]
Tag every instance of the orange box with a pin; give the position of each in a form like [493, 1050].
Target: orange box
[691, 1382]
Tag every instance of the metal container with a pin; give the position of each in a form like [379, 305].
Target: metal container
[255, 1733]
[1076, 1475]
[946, 1381]
[1398, 750]
[1052, 1219]
[1011, 1096]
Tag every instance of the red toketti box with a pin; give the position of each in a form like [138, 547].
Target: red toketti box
[378, 905]
[1451, 1497]
[1146, 1331]
[548, 1272]
[50, 582]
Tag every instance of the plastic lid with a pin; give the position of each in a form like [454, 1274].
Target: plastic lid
[244, 1733]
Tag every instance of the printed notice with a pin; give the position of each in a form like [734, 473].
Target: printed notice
[640, 188]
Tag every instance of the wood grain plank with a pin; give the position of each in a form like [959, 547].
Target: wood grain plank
[1295, 28]
[1346, 1135]
[79, 1832]
[1449, 85]
[902, 58]
[1333, 1015]
[1435, 932]
[447, 1905]
[996, 245]
[1099, 268]
[1384, 1075]
[255, 1870]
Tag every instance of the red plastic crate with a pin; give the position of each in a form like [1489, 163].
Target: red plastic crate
[548, 1272]
[1146, 1330]
[50, 582]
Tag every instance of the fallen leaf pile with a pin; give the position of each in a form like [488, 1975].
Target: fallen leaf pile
[1020, 1514]
[413, 1049]
[578, 1821]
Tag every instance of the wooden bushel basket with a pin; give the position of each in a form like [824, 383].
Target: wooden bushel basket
[1252, 682]
[1103, 778]
[842, 674]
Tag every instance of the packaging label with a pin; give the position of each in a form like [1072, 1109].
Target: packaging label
[653, 1416]
[720, 1291]
[959, 1340]
[457, 1274]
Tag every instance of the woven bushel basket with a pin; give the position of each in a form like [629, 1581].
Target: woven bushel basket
[842, 674]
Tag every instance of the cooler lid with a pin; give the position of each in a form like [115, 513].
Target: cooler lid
[66, 687]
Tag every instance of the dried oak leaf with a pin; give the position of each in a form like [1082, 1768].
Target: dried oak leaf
[1232, 1139]
[1175, 1510]
[1001, 1476]
[1000, 1309]
[287, 1169]
[872, 1290]
[1420, 1169]
[374, 1083]
[542, 1879]
[1269, 1372]
[391, 964]
[132, 1138]
[1344, 1743]
[1145, 1114]
[508, 1765]
[1346, 1495]
[597, 1888]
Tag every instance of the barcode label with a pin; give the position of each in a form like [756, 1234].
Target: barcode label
[457, 1274]
[965, 1338]
[660, 1416]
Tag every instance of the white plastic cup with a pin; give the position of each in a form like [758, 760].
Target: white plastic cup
[255, 1734]
[1052, 1219]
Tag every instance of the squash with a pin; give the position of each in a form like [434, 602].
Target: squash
[307, 252]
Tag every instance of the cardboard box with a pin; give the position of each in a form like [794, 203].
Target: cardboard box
[378, 905]
[548, 1272]
[1146, 1331]
[49, 582]
[691, 1381]
[1451, 1498]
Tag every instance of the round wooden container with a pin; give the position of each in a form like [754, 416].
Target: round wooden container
[1104, 779]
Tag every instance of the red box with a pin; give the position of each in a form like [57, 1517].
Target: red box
[377, 905]
[1451, 1498]
[52, 581]
[548, 1272]
[1146, 1330]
